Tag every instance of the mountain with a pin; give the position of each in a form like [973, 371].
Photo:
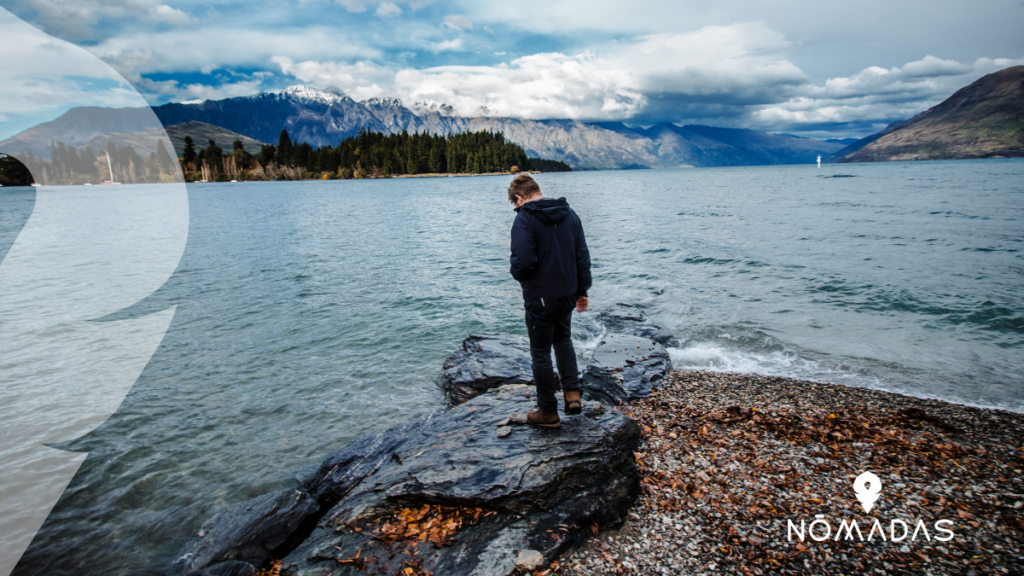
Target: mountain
[325, 117]
[982, 120]
[858, 144]
[145, 142]
[710, 146]
[78, 126]
[202, 133]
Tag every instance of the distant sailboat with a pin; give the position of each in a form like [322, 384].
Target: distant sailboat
[111, 168]
[819, 160]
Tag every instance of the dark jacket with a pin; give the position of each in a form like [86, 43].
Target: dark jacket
[550, 256]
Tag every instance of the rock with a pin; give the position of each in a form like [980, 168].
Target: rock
[542, 492]
[517, 418]
[529, 560]
[628, 319]
[486, 361]
[504, 431]
[231, 568]
[250, 532]
[624, 368]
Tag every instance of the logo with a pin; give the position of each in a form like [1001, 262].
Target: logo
[868, 488]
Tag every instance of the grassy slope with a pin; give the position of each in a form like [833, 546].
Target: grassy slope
[983, 120]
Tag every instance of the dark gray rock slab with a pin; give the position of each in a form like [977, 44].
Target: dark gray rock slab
[230, 568]
[253, 532]
[532, 484]
[628, 319]
[486, 361]
[624, 368]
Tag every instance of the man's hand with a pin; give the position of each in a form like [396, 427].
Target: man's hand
[582, 303]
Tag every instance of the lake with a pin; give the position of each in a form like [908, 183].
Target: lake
[310, 313]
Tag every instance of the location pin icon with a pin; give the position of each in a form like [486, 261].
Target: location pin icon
[868, 488]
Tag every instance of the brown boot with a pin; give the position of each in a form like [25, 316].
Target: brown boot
[538, 418]
[573, 404]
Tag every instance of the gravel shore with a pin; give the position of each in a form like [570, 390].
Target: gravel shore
[734, 465]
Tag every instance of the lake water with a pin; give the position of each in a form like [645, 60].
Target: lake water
[310, 313]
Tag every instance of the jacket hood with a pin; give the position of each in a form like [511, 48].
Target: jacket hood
[548, 210]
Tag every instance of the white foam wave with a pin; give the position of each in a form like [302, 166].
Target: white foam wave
[718, 358]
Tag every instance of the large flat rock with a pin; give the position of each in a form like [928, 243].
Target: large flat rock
[249, 533]
[486, 361]
[629, 319]
[533, 489]
[624, 368]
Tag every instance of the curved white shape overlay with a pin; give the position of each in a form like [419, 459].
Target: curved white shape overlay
[84, 253]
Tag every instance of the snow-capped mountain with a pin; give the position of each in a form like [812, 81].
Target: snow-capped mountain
[326, 116]
[330, 95]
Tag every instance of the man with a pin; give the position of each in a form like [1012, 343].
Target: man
[551, 261]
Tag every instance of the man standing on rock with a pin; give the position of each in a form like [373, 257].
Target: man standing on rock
[552, 263]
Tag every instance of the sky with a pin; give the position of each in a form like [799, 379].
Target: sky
[818, 69]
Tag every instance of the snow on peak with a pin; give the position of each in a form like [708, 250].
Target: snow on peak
[385, 102]
[428, 106]
[329, 95]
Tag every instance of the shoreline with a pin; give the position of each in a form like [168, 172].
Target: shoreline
[729, 460]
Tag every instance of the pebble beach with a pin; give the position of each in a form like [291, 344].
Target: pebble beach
[737, 467]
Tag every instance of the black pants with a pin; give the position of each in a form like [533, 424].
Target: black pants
[545, 334]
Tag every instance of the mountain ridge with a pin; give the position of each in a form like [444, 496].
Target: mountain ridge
[982, 120]
[325, 117]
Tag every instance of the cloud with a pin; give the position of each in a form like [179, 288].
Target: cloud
[78, 20]
[185, 50]
[388, 10]
[385, 8]
[352, 5]
[537, 86]
[652, 75]
[197, 92]
[48, 76]
[455, 22]
[454, 45]
[875, 96]
[354, 79]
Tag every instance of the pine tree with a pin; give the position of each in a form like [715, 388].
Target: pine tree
[284, 148]
[189, 153]
[163, 158]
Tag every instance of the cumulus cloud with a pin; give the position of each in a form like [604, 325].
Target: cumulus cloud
[724, 64]
[50, 75]
[78, 20]
[537, 86]
[453, 45]
[354, 79]
[385, 8]
[875, 96]
[456, 22]
[186, 49]
[196, 92]
[388, 10]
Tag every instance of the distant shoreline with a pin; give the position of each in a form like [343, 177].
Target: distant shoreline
[453, 175]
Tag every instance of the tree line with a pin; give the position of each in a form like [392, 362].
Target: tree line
[69, 165]
[365, 155]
